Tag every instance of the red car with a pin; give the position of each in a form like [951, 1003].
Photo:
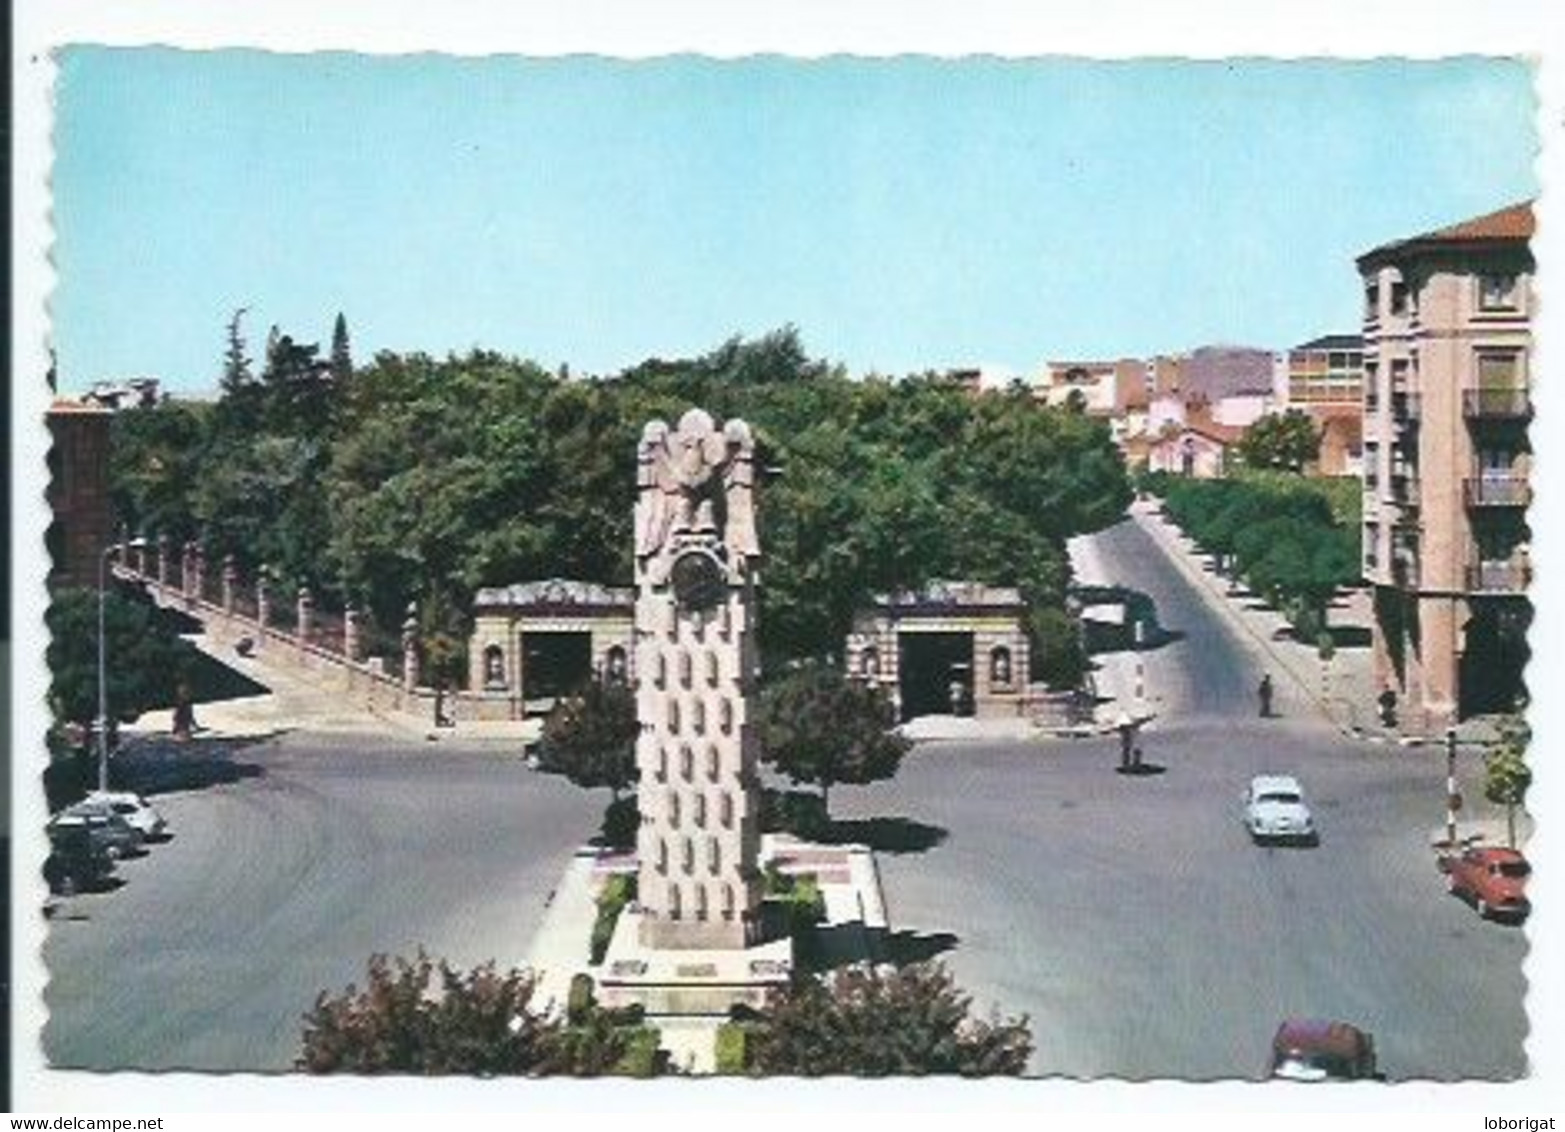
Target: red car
[1493, 880]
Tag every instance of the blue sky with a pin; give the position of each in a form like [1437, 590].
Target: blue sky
[904, 214]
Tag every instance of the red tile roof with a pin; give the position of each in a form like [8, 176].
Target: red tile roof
[1514, 224]
[63, 405]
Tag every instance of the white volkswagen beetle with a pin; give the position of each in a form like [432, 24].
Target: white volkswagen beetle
[1275, 810]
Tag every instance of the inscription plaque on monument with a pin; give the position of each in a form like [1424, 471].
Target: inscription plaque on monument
[696, 561]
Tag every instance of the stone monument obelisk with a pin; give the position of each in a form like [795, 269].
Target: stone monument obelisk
[696, 561]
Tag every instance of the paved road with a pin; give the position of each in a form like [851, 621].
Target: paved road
[1136, 924]
[282, 883]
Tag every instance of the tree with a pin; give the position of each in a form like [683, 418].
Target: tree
[860, 1021]
[479, 1022]
[422, 475]
[341, 354]
[236, 365]
[1287, 440]
[818, 727]
[144, 659]
[590, 738]
[1506, 774]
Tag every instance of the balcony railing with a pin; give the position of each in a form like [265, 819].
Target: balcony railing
[1496, 404]
[1406, 407]
[1404, 487]
[1503, 577]
[1497, 491]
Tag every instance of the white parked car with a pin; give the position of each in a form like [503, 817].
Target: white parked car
[133, 809]
[1275, 810]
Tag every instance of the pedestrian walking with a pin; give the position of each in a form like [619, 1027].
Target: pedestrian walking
[1127, 740]
[1264, 693]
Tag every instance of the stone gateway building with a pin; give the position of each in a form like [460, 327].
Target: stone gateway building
[951, 648]
[536, 641]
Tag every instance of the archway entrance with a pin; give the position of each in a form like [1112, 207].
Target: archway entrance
[927, 664]
[555, 664]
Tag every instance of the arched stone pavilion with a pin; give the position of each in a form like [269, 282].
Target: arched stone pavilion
[920, 644]
[535, 641]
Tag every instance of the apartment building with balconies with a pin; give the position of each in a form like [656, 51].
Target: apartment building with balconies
[1447, 345]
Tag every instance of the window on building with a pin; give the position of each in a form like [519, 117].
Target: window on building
[1372, 300]
[1498, 292]
[1400, 298]
[1371, 546]
[1499, 371]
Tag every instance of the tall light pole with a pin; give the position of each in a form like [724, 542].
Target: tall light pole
[103, 668]
[1453, 800]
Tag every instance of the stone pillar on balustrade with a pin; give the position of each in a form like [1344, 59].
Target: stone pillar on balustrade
[410, 648]
[163, 560]
[230, 576]
[263, 606]
[306, 612]
[187, 565]
[198, 572]
[141, 558]
[350, 633]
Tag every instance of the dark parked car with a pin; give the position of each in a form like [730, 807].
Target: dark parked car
[107, 828]
[1310, 1049]
[77, 861]
[1493, 880]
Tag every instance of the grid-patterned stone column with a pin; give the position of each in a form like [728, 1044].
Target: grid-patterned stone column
[230, 576]
[695, 659]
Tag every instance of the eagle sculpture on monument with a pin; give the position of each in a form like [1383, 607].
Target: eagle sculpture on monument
[696, 480]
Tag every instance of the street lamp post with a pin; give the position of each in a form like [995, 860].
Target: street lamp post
[103, 668]
[1452, 799]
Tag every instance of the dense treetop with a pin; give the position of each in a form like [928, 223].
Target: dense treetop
[416, 478]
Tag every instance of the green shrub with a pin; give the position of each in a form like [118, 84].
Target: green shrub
[799, 812]
[800, 897]
[731, 1040]
[642, 1057]
[1057, 659]
[580, 1000]
[621, 820]
[422, 1016]
[618, 891]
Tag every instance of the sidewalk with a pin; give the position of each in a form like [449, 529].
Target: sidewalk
[559, 950]
[292, 702]
[961, 728]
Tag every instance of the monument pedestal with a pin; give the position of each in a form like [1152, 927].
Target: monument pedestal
[689, 981]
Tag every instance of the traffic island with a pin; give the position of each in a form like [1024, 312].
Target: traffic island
[689, 993]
